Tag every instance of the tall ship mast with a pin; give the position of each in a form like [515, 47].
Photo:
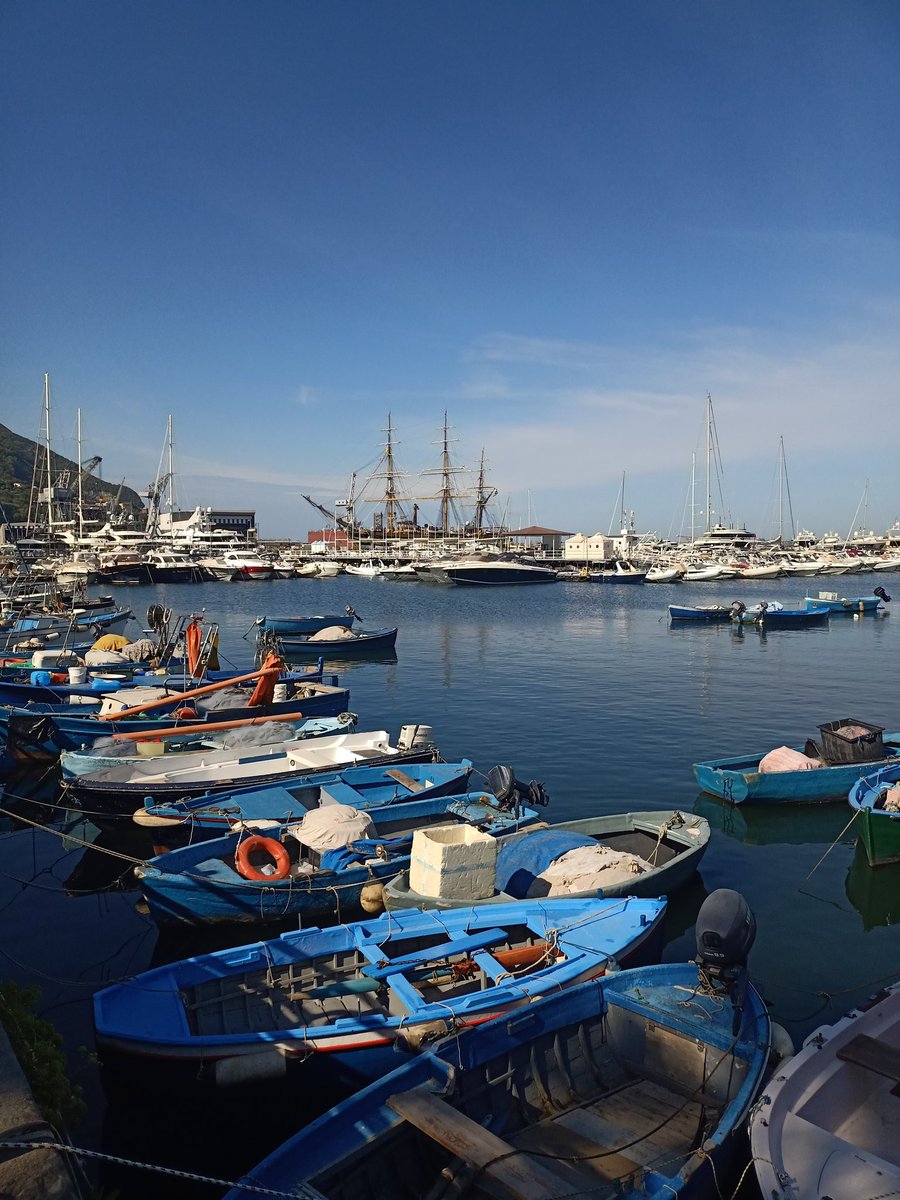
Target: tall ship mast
[386, 469]
[483, 497]
[448, 492]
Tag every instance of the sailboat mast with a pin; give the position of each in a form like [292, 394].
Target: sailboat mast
[693, 492]
[781, 488]
[446, 484]
[80, 473]
[709, 456]
[390, 493]
[171, 470]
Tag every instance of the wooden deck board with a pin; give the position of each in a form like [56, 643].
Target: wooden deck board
[516, 1175]
[874, 1055]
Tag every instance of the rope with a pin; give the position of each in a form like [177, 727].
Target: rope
[832, 846]
[258, 1189]
[70, 837]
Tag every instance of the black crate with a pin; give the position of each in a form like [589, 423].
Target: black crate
[840, 745]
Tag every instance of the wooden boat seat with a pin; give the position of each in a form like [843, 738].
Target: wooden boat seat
[412, 785]
[873, 1054]
[509, 1170]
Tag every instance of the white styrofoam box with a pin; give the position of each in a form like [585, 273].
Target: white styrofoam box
[47, 659]
[453, 862]
[131, 698]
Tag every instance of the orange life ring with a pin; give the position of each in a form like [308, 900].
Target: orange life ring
[274, 849]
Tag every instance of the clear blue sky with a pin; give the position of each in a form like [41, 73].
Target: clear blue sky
[561, 222]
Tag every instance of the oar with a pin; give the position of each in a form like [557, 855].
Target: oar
[192, 695]
[212, 727]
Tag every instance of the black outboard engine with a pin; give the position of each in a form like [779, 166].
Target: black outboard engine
[511, 793]
[882, 595]
[726, 931]
[352, 613]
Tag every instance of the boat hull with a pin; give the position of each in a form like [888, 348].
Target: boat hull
[680, 839]
[738, 781]
[878, 828]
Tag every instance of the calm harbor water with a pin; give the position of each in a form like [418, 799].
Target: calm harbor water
[585, 687]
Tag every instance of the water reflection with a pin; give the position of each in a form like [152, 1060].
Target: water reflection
[768, 824]
[873, 891]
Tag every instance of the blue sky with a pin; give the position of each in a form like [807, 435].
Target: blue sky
[563, 223]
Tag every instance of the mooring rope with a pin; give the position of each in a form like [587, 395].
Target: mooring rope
[300, 1192]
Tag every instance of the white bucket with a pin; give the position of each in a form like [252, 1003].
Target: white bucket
[280, 693]
[77, 676]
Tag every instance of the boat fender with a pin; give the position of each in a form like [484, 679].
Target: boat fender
[257, 844]
[414, 1037]
[371, 898]
[782, 1045]
[186, 714]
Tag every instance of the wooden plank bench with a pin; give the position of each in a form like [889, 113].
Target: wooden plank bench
[872, 1054]
[512, 1174]
[412, 785]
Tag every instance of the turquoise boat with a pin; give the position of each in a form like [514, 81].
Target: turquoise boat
[739, 780]
[851, 605]
[878, 825]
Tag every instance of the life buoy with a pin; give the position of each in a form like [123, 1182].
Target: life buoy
[275, 850]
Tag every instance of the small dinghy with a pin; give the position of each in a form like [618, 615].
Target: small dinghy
[339, 998]
[630, 854]
[829, 1120]
[634, 1085]
[850, 605]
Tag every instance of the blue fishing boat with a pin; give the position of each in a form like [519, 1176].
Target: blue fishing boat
[380, 777]
[42, 730]
[739, 779]
[875, 799]
[287, 626]
[702, 613]
[354, 642]
[346, 998]
[772, 615]
[160, 796]
[849, 605]
[209, 881]
[636, 1085]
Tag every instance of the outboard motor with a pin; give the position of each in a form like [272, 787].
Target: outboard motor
[511, 793]
[882, 595]
[352, 613]
[726, 931]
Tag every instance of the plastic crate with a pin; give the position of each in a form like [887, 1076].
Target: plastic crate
[843, 743]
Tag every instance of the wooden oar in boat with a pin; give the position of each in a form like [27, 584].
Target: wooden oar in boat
[192, 695]
[153, 735]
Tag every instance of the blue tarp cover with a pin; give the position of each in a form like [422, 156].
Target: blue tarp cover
[357, 852]
[520, 860]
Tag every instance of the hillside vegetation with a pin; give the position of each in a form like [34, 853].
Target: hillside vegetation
[17, 459]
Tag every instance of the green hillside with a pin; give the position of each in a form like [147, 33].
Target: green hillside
[17, 459]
